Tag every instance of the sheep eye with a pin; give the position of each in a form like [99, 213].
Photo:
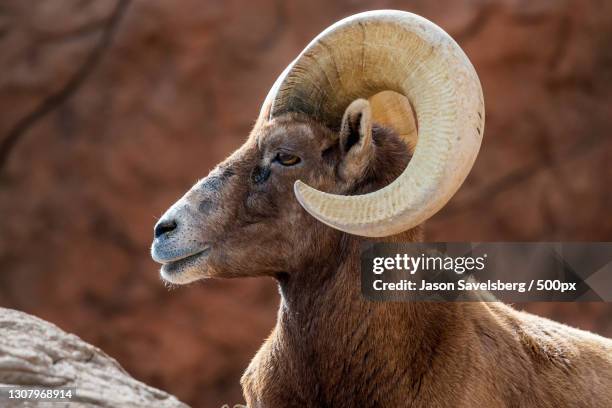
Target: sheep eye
[287, 159]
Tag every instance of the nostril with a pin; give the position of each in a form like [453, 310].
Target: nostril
[164, 227]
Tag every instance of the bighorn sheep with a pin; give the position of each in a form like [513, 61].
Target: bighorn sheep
[330, 347]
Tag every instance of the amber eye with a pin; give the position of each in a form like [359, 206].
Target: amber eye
[287, 159]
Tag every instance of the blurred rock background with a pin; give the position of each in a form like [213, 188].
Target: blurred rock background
[110, 110]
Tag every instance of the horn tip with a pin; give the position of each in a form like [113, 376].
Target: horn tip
[301, 191]
[299, 187]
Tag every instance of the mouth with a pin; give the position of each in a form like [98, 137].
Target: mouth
[186, 269]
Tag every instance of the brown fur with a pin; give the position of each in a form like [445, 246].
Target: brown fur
[332, 348]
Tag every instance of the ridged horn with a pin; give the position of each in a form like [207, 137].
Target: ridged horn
[376, 51]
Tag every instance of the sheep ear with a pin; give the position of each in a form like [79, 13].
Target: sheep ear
[356, 145]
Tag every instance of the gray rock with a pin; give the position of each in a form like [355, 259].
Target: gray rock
[36, 353]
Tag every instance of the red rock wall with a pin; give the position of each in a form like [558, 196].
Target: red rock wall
[110, 111]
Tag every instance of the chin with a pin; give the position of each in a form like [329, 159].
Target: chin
[184, 271]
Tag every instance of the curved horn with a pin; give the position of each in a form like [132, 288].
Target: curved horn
[389, 50]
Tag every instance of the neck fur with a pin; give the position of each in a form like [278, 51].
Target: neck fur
[340, 345]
